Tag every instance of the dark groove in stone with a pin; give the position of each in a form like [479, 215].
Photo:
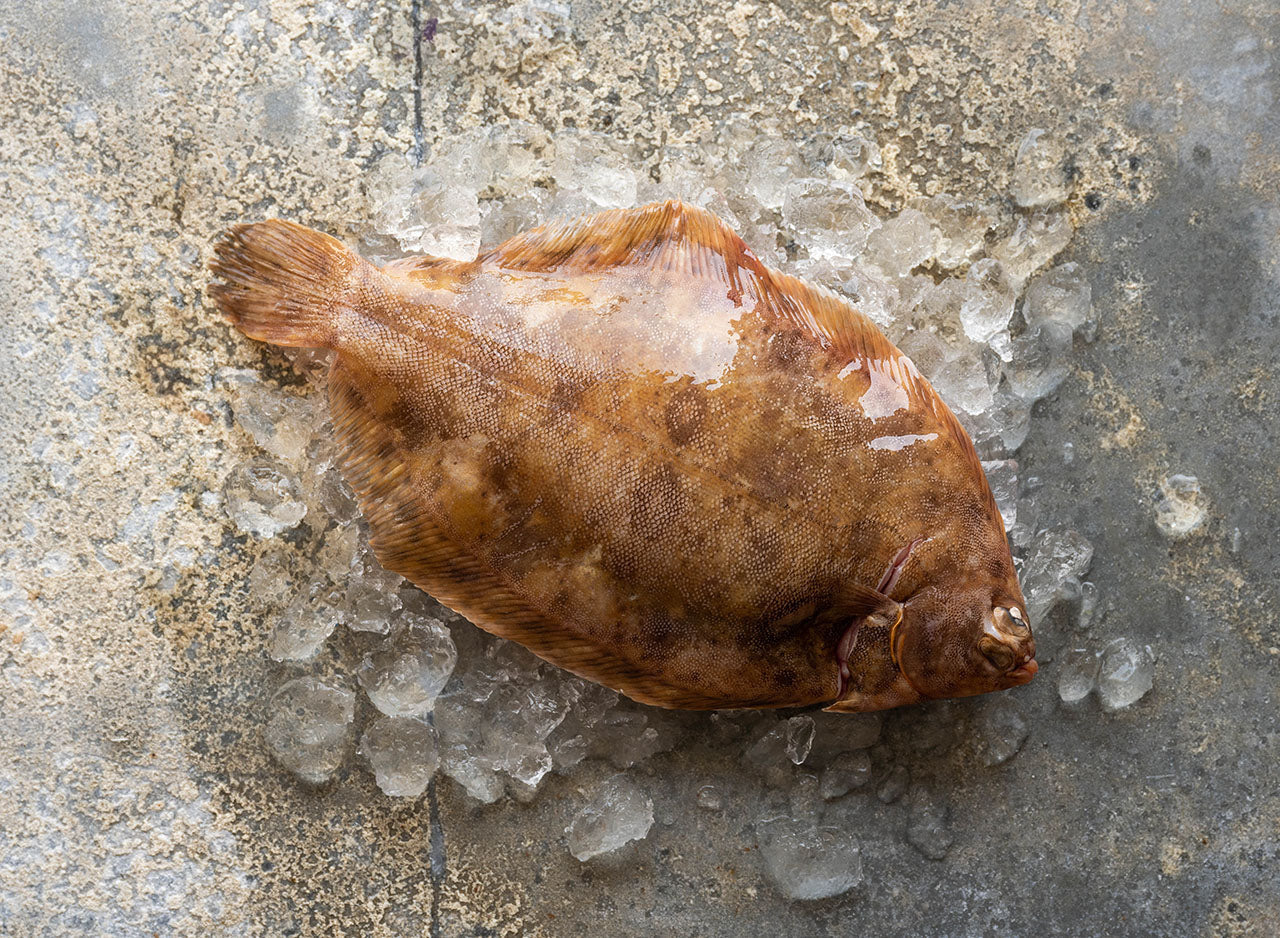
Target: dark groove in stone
[418, 145]
[437, 857]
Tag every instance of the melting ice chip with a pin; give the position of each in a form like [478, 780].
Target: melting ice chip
[406, 673]
[885, 396]
[403, 754]
[1126, 673]
[308, 727]
[618, 814]
[897, 443]
[810, 862]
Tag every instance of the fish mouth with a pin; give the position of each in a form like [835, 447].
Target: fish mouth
[1024, 672]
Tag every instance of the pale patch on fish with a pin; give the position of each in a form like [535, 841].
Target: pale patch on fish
[885, 396]
[897, 443]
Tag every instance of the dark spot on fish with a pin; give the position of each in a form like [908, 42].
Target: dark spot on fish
[660, 634]
[658, 501]
[620, 560]
[431, 417]
[789, 348]
[566, 397]
[685, 414]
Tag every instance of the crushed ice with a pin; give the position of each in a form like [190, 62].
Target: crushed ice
[617, 813]
[966, 288]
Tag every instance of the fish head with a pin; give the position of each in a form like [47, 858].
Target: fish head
[957, 643]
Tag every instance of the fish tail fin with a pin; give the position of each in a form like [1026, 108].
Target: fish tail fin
[281, 282]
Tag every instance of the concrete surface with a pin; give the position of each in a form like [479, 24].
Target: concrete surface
[137, 796]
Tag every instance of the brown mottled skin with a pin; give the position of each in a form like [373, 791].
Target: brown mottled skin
[623, 442]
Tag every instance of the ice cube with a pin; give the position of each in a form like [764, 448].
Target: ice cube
[464, 157]
[617, 813]
[279, 423]
[262, 500]
[709, 798]
[406, 673]
[829, 220]
[302, 628]
[962, 228]
[1078, 676]
[504, 218]
[623, 737]
[847, 771]
[1180, 509]
[1002, 476]
[770, 165]
[1039, 361]
[1002, 730]
[402, 753]
[271, 580]
[341, 553]
[799, 732]
[852, 157]
[1037, 238]
[902, 242]
[682, 175]
[958, 370]
[1011, 416]
[1039, 171]
[512, 154]
[1052, 572]
[590, 166]
[330, 492]
[499, 716]
[1126, 673]
[1060, 294]
[463, 753]
[432, 210]
[775, 750]
[308, 727]
[372, 598]
[894, 785]
[577, 736]
[927, 827]
[987, 306]
[808, 860]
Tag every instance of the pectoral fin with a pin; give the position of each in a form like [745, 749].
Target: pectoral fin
[870, 615]
[859, 603]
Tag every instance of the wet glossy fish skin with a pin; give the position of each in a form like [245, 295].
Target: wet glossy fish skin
[631, 447]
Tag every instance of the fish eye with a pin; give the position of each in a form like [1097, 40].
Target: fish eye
[1000, 655]
[1016, 615]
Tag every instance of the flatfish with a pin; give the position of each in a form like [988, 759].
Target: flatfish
[627, 444]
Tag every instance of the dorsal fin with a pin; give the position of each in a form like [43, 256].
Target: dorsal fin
[441, 272]
[676, 237]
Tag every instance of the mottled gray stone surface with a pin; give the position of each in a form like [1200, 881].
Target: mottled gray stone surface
[136, 794]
